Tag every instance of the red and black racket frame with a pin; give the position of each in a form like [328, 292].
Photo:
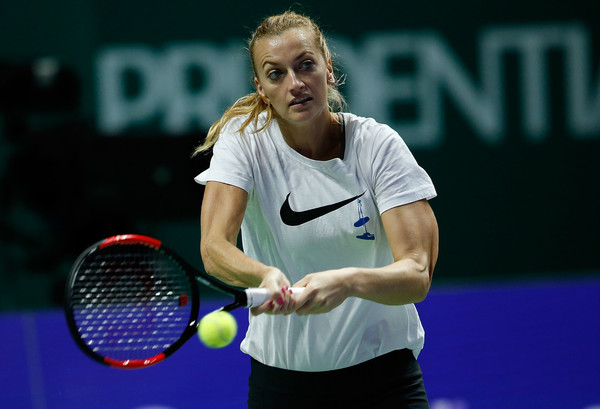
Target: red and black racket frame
[193, 276]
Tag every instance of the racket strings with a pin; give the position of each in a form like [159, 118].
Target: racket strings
[131, 306]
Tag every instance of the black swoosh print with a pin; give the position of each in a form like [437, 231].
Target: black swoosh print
[294, 218]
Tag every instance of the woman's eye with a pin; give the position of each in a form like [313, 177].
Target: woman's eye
[273, 75]
[307, 65]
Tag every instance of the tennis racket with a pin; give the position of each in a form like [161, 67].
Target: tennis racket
[131, 302]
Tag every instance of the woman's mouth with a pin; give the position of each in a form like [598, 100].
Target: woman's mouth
[300, 100]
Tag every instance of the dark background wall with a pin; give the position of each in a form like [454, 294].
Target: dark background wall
[102, 102]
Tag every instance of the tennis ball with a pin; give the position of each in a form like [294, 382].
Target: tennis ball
[217, 329]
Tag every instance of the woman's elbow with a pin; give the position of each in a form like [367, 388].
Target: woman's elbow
[208, 260]
[424, 284]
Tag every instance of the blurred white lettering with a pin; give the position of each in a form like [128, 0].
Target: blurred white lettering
[116, 110]
[399, 78]
[164, 89]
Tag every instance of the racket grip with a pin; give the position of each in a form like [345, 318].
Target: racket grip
[257, 296]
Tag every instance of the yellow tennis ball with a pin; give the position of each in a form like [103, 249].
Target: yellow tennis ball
[217, 329]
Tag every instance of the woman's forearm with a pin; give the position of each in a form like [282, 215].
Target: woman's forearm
[403, 282]
[229, 264]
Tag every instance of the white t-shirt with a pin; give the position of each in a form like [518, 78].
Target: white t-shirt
[306, 216]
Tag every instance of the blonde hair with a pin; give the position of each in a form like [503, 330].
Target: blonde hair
[252, 104]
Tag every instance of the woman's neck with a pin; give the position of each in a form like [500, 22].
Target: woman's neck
[321, 139]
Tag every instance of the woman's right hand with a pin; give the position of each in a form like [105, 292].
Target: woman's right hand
[281, 301]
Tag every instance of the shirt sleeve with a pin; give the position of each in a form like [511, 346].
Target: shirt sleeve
[230, 162]
[398, 179]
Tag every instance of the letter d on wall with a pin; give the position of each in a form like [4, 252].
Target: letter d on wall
[116, 109]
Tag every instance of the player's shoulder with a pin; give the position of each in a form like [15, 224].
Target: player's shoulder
[242, 128]
[234, 125]
[368, 130]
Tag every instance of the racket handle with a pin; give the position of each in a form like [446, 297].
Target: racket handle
[257, 296]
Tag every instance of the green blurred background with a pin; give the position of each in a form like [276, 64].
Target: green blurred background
[102, 103]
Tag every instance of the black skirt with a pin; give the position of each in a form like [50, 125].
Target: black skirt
[393, 380]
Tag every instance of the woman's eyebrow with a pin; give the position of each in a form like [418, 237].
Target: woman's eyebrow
[300, 56]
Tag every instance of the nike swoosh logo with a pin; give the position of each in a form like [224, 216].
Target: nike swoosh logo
[294, 218]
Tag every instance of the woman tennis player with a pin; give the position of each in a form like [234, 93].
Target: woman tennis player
[325, 200]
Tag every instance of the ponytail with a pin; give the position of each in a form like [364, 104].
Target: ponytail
[251, 106]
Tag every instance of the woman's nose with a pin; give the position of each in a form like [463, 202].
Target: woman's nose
[295, 81]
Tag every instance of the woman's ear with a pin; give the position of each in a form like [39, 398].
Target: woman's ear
[330, 76]
[260, 91]
[330, 79]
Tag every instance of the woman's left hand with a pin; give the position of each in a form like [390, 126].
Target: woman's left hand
[323, 291]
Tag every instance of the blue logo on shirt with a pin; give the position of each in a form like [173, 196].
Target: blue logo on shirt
[362, 222]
